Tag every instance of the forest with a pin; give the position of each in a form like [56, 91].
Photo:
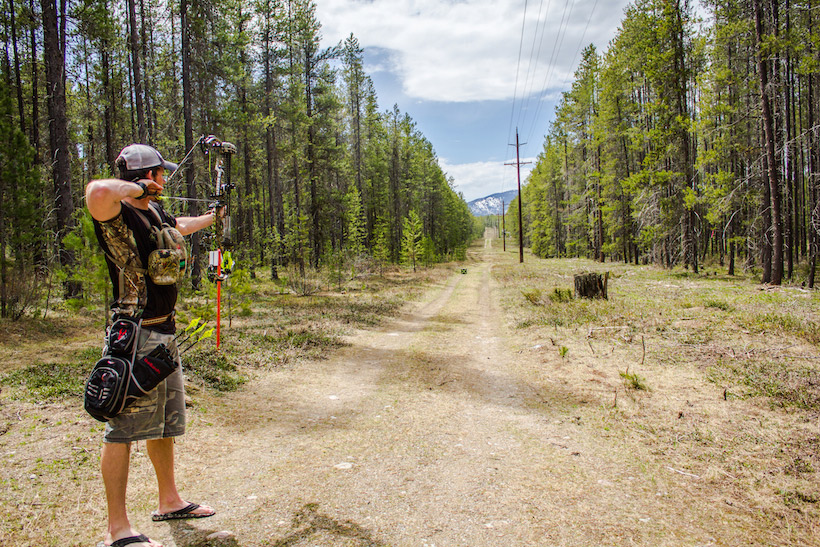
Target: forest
[322, 177]
[691, 141]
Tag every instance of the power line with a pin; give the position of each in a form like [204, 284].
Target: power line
[556, 48]
[532, 68]
[544, 88]
[517, 72]
[518, 67]
[523, 101]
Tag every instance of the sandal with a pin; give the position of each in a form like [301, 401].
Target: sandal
[186, 512]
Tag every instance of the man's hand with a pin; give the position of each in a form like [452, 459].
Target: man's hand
[218, 211]
[149, 188]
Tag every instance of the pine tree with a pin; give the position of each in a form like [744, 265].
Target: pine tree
[411, 240]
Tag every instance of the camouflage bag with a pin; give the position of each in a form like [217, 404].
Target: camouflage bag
[168, 263]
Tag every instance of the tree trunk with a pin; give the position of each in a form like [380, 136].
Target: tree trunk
[591, 285]
[771, 158]
[54, 56]
[193, 209]
[146, 81]
[813, 163]
[136, 72]
[108, 94]
[35, 88]
[19, 85]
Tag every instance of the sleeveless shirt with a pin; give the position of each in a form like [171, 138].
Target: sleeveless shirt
[127, 239]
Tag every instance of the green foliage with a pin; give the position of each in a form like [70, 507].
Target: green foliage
[22, 227]
[240, 288]
[633, 381]
[355, 222]
[214, 369]
[381, 246]
[533, 296]
[718, 304]
[559, 295]
[90, 269]
[633, 169]
[412, 240]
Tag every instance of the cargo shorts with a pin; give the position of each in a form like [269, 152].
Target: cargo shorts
[160, 413]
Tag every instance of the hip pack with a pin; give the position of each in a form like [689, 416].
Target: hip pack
[119, 379]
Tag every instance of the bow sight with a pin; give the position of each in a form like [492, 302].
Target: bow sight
[219, 155]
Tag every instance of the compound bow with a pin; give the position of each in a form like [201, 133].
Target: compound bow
[220, 263]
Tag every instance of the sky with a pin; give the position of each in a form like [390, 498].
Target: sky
[471, 72]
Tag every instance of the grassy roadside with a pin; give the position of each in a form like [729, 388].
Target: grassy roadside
[272, 327]
[715, 377]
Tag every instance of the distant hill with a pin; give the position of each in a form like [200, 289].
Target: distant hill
[491, 205]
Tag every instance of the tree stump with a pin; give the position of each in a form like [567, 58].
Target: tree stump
[591, 285]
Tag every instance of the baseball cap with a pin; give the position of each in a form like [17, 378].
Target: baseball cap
[141, 156]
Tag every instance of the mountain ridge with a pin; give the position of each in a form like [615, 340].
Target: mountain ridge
[493, 204]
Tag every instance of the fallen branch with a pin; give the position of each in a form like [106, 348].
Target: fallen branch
[682, 472]
[643, 345]
[592, 329]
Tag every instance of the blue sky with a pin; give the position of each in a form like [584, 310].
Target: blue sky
[453, 66]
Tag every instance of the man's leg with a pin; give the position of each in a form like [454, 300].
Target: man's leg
[114, 465]
[161, 452]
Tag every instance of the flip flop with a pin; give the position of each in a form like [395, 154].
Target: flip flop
[122, 542]
[184, 513]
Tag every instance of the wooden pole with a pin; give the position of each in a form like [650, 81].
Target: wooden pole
[520, 222]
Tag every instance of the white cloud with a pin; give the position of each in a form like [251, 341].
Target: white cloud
[483, 178]
[466, 50]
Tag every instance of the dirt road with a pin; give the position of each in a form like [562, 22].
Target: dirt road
[436, 429]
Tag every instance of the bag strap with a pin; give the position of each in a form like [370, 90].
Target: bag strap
[122, 265]
[130, 371]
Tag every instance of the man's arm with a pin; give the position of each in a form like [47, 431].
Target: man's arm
[189, 225]
[103, 197]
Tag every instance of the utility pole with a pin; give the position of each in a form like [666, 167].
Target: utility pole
[518, 163]
[504, 223]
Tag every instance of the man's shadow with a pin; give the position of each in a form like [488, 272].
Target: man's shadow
[187, 535]
[308, 524]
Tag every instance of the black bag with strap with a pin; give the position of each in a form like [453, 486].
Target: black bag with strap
[119, 379]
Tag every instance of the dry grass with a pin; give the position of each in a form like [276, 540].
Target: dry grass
[729, 376]
[712, 380]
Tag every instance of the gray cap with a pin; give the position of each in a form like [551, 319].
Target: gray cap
[141, 156]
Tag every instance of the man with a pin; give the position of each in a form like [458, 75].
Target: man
[125, 211]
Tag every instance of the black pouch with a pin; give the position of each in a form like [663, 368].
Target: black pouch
[106, 390]
[149, 371]
[119, 379]
[122, 336]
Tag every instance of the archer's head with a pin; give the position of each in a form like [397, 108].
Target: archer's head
[140, 161]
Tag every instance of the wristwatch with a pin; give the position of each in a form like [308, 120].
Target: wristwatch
[144, 189]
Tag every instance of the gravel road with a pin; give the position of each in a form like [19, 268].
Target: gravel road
[434, 429]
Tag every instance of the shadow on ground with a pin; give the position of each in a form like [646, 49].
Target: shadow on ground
[309, 527]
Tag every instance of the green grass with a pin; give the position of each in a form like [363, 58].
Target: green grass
[52, 381]
[634, 382]
[718, 304]
[214, 369]
[783, 383]
[783, 323]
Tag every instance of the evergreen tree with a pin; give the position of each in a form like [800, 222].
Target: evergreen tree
[411, 240]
